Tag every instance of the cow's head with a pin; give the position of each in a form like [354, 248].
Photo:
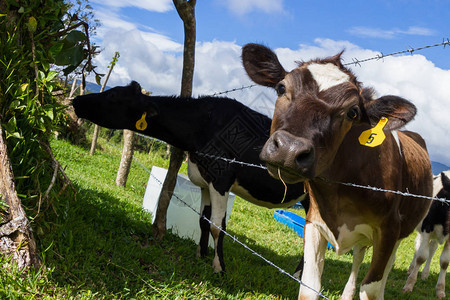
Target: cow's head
[445, 191]
[318, 103]
[117, 108]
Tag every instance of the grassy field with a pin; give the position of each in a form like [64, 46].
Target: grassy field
[100, 246]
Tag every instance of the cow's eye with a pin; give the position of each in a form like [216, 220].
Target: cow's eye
[280, 88]
[353, 113]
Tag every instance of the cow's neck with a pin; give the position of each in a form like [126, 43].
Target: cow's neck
[180, 122]
[356, 164]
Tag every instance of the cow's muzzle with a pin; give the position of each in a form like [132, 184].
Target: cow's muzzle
[290, 156]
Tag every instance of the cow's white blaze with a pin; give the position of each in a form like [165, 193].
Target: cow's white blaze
[327, 75]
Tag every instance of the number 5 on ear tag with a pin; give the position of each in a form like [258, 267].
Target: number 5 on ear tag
[375, 136]
[141, 124]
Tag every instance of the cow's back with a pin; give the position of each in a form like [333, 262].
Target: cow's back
[417, 179]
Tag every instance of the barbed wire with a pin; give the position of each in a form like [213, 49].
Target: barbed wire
[368, 187]
[235, 239]
[233, 90]
[406, 194]
[357, 62]
[231, 161]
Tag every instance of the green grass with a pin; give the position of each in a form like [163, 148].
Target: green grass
[100, 246]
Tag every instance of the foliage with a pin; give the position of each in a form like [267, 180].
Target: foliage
[36, 36]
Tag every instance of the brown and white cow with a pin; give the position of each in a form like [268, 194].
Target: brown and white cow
[320, 115]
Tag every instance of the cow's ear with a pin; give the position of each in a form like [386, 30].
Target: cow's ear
[445, 181]
[262, 65]
[397, 110]
[136, 87]
[152, 110]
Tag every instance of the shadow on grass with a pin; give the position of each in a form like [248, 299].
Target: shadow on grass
[104, 245]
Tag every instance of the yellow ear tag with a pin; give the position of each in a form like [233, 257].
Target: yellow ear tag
[141, 124]
[375, 136]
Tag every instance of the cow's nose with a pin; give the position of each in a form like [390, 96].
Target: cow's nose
[290, 152]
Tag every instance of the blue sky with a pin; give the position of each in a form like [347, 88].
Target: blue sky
[149, 36]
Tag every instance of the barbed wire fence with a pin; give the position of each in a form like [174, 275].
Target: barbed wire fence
[356, 62]
[234, 238]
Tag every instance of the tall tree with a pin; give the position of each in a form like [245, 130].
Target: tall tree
[186, 11]
[34, 35]
[127, 157]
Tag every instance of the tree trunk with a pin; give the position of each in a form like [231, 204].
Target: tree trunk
[94, 139]
[16, 238]
[127, 157]
[186, 11]
[74, 87]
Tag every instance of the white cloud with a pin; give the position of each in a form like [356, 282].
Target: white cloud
[242, 7]
[152, 61]
[110, 20]
[150, 5]
[114, 24]
[389, 33]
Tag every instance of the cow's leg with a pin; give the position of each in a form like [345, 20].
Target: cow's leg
[417, 243]
[443, 261]
[420, 257]
[431, 250]
[372, 286]
[205, 211]
[388, 269]
[350, 287]
[314, 258]
[218, 214]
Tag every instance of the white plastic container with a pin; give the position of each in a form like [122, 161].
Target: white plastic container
[183, 221]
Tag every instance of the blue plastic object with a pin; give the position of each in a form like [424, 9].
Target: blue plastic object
[293, 221]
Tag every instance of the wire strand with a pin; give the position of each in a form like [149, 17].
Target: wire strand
[357, 62]
[224, 231]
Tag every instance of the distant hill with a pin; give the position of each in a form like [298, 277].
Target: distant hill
[93, 87]
[438, 167]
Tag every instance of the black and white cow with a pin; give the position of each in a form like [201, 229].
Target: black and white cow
[433, 230]
[208, 125]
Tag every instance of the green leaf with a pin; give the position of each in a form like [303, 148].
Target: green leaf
[16, 135]
[49, 111]
[41, 76]
[70, 57]
[32, 24]
[75, 36]
[97, 79]
[56, 49]
[24, 87]
[14, 104]
[51, 75]
[45, 65]
[11, 128]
